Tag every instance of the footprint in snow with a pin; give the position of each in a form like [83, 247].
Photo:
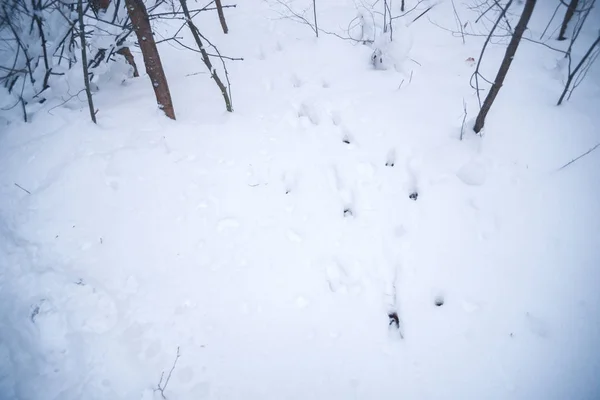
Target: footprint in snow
[289, 182]
[336, 276]
[390, 160]
[296, 81]
[309, 112]
[346, 195]
[336, 118]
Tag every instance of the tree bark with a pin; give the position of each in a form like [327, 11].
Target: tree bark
[506, 62]
[571, 8]
[221, 16]
[141, 25]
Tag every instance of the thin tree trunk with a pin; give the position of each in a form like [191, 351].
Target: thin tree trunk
[577, 68]
[141, 24]
[568, 15]
[86, 77]
[402, 6]
[221, 16]
[315, 16]
[125, 52]
[506, 62]
[102, 5]
[205, 57]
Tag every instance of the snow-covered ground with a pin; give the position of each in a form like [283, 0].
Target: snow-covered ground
[267, 247]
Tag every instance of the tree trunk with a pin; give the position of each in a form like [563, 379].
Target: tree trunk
[102, 5]
[221, 16]
[576, 70]
[141, 25]
[572, 7]
[503, 70]
[86, 76]
[315, 17]
[125, 52]
[205, 56]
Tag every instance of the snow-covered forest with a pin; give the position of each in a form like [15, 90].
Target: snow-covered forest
[299, 199]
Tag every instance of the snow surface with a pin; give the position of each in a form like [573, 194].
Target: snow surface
[269, 245]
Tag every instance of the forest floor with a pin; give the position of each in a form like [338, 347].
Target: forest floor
[262, 251]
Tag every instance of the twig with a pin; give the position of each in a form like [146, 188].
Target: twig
[86, 76]
[583, 155]
[458, 21]
[162, 388]
[462, 127]
[22, 188]
[423, 13]
[476, 74]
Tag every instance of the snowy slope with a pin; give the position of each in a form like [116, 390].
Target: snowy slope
[269, 245]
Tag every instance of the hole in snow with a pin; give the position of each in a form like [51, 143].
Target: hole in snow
[394, 320]
[348, 212]
[346, 140]
[439, 301]
[413, 196]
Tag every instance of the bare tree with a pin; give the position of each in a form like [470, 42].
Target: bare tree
[86, 76]
[205, 57]
[141, 25]
[578, 73]
[299, 16]
[221, 16]
[506, 62]
[568, 15]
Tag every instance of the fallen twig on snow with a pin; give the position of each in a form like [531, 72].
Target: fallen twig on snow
[22, 188]
[162, 388]
[581, 156]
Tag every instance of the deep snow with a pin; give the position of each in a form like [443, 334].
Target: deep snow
[269, 245]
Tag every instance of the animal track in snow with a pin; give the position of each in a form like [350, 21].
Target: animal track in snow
[296, 81]
[336, 276]
[309, 112]
[336, 118]
[391, 158]
[289, 181]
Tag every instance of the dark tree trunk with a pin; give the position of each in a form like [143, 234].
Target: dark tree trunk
[125, 52]
[86, 76]
[402, 6]
[503, 70]
[205, 57]
[221, 16]
[573, 73]
[571, 8]
[141, 25]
